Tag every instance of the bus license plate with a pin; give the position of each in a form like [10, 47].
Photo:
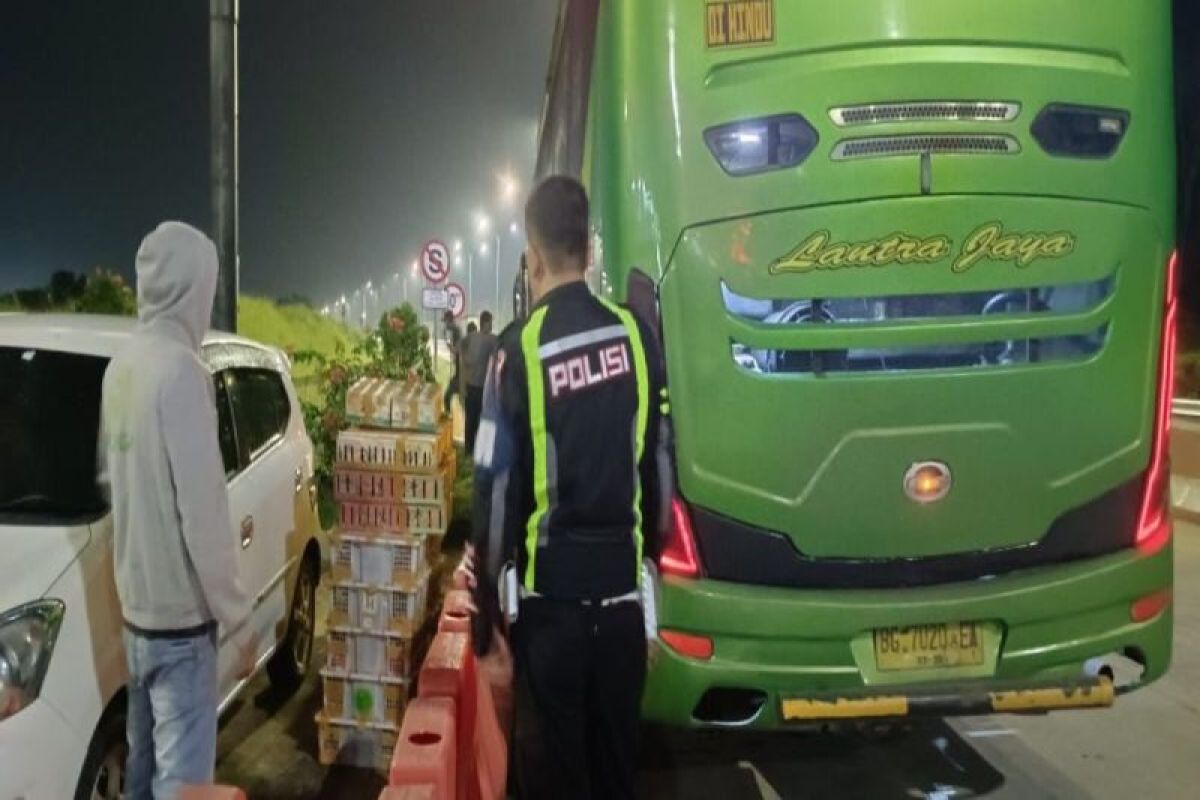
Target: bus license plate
[951, 644]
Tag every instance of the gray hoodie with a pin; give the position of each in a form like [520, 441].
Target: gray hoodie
[175, 551]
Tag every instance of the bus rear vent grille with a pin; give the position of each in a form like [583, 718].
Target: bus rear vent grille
[966, 144]
[931, 111]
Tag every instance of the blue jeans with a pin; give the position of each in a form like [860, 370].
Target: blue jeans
[172, 724]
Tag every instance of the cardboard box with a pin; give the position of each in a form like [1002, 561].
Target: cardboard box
[398, 405]
[396, 451]
[364, 698]
[394, 517]
[344, 741]
[387, 487]
[368, 653]
[395, 609]
[379, 560]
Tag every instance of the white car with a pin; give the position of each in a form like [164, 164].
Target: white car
[62, 665]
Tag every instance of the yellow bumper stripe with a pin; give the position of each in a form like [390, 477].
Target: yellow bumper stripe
[1099, 696]
[801, 709]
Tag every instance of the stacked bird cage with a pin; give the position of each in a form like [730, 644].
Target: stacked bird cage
[393, 481]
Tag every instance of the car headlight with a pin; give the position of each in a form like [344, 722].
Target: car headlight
[1080, 131]
[759, 145]
[27, 636]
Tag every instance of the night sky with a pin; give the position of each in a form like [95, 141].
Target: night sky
[367, 126]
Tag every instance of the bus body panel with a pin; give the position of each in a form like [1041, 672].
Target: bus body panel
[822, 457]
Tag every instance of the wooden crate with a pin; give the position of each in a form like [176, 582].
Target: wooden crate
[368, 653]
[425, 518]
[396, 609]
[365, 699]
[396, 451]
[344, 741]
[379, 560]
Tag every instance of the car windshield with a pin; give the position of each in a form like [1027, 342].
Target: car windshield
[49, 417]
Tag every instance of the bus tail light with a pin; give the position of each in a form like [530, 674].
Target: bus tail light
[687, 644]
[1153, 521]
[679, 555]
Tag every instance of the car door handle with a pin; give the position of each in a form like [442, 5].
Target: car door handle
[247, 531]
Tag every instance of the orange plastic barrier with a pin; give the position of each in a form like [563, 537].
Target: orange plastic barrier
[211, 793]
[491, 746]
[426, 751]
[449, 671]
[423, 792]
[456, 614]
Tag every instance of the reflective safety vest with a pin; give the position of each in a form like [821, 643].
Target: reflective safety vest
[588, 382]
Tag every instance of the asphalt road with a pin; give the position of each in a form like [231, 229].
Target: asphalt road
[1148, 746]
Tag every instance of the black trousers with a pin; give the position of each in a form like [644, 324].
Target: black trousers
[579, 673]
[474, 408]
[452, 388]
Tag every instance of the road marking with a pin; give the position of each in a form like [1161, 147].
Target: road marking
[765, 790]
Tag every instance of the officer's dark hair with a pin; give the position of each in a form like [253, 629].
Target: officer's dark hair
[556, 217]
[485, 319]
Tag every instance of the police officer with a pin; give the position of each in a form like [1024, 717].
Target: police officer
[569, 488]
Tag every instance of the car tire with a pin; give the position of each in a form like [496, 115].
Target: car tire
[290, 663]
[103, 773]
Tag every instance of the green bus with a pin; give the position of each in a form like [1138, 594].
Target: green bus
[912, 265]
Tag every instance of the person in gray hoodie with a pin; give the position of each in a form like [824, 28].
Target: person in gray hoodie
[175, 551]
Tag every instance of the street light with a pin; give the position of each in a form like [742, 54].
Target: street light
[483, 224]
[514, 229]
[509, 187]
[458, 245]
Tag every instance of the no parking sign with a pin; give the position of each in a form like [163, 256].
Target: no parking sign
[435, 262]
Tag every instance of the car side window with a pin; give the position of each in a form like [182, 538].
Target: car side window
[261, 409]
[225, 430]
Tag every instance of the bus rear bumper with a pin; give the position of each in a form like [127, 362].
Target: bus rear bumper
[782, 656]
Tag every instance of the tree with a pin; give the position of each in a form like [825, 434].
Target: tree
[106, 293]
[66, 287]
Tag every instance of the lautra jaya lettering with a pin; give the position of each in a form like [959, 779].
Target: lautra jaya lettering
[987, 242]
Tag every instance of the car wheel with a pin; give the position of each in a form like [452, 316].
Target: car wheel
[289, 665]
[103, 775]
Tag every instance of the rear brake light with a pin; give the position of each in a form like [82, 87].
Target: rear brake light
[1150, 606]
[1153, 516]
[687, 644]
[679, 554]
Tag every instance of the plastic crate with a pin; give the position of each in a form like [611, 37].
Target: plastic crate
[368, 652]
[364, 698]
[394, 609]
[394, 451]
[390, 487]
[380, 560]
[344, 741]
[398, 405]
[395, 517]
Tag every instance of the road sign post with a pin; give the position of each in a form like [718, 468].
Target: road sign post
[456, 299]
[435, 300]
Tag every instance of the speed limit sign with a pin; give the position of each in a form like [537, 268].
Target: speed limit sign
[456, 299]
[435, 262]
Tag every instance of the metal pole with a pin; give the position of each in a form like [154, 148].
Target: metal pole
[496, 308]
[223, 155]
[470, 281]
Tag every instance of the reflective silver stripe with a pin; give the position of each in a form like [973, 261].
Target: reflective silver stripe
[629, 597]
[495, 543]
[551, 491]
[578, 340]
